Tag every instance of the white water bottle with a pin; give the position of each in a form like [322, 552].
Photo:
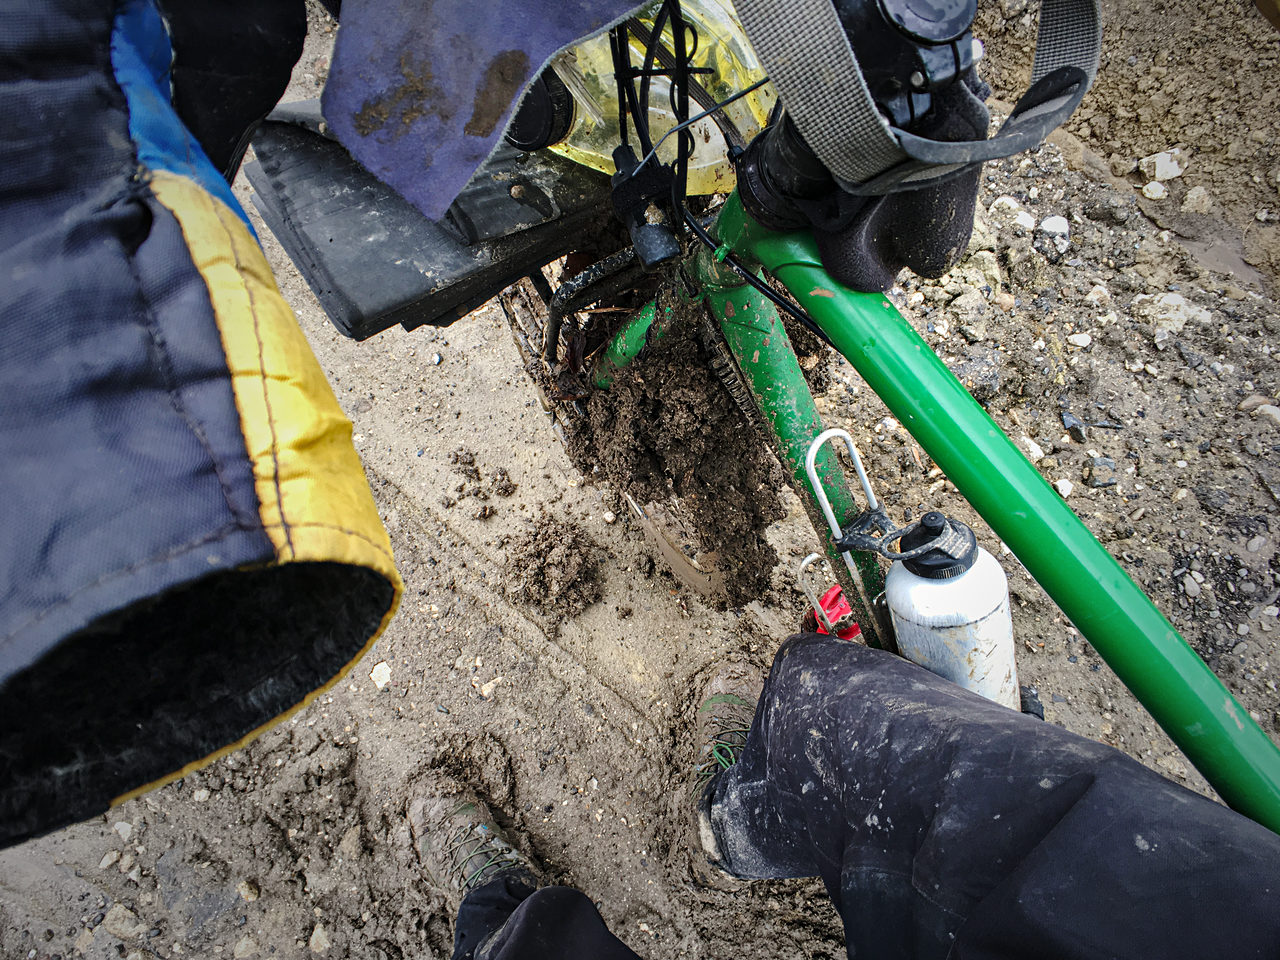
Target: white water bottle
[950, 610]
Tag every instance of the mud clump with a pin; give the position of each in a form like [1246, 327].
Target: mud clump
[669, 428]
[554, 568]
[476, 485]
[464, 463]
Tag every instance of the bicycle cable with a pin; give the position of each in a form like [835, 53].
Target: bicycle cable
[778, 300]
[694, 119]
[627, 98]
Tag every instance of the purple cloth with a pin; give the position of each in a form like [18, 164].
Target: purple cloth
[420, 91]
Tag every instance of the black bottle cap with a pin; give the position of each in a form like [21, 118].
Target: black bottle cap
[955, 547]
[544, 116]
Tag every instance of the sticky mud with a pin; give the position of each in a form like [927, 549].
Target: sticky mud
[554, 567]
[668, 427]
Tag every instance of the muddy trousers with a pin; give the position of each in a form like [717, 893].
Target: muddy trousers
[944, 825]
[509, 919]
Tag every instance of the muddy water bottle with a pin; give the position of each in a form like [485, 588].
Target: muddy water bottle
[950, 609]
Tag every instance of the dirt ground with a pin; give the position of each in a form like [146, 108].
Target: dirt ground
[1132, 357]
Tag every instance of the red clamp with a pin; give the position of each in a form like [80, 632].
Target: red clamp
[837, 608]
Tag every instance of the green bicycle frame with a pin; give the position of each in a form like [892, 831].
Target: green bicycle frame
[1183, 695]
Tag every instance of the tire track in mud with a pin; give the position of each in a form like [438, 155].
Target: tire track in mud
[642, 878]
[490, 603]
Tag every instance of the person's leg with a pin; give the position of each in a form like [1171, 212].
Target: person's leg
[554, 923]
[943, 824]
[502, 914]
[486, 908]
[231, 63]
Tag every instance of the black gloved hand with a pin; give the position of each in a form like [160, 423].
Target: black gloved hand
[866, 241]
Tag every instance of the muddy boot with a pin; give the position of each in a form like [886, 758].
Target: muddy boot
[458, 844]
[725, 711]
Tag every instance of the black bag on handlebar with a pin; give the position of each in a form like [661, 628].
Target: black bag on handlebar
[885, 130]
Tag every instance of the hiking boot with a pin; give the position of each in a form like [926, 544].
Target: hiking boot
[725, 711]
[457, 842]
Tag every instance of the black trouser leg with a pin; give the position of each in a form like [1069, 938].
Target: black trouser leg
[485, 909]
[945, 825]
[232, 60]
[508, 919]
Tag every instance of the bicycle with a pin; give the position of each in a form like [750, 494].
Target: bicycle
[723, 273]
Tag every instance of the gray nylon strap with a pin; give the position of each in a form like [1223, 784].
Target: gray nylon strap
[1070, 35]
[812, 65]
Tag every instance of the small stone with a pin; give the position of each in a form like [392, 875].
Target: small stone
[987, 265]
[487, 689]
[319, 942]
[1035, 452]
[1064, 487]
[200, 795]
[84, 942]
[1169, 311]
[248, 890]
[1100, 472]
[1165, 165]
[1098, 295]
[1252, 403]
[1074, 426]
[1155, 190]
[108, 858]
[126, 863]
[1080, 340]
[1055, 227]
[1190, 587]
[245, 947]
[123, 923]
[350, 847]
[1005, 301]
[1197, 200]
[436, 359]
[968, 304]
[380, 674]
[1256, 544]
[1268, 410]
[125, 830]
[1024, 220]
[610, 516]
[1122, 166]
